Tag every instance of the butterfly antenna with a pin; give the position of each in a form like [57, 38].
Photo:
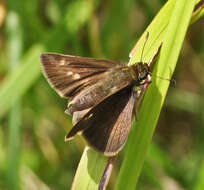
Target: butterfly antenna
[146, 38]
[172, 81]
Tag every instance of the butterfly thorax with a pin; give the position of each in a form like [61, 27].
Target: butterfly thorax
[140, 72]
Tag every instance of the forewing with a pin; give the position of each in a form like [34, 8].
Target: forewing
[106, 126]
[69, 75]
[112, 81]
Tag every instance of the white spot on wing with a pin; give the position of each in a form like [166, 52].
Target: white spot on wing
[69, 73]
[89, 116]
[79, 133]
[76, 76]
[62, 62]
[114, 89]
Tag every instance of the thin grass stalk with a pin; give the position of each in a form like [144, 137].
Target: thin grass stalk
[14, 123]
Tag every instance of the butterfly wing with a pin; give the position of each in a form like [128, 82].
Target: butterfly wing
[85, 81]
[69, 74]
[106, 126]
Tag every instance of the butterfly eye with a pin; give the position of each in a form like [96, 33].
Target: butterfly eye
[142, 76]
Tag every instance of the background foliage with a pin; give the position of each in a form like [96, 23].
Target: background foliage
[33, 154]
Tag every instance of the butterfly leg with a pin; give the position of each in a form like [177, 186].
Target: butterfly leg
[138, 95]
[136, 107]
[146, 83]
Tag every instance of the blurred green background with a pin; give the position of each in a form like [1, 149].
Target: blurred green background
[33, 154]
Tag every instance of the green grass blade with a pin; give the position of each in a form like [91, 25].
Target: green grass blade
[89, 171]
[200, 182]
[14, 126]
[13, 155]
[20, 79]
[157, 30]
[141, 136]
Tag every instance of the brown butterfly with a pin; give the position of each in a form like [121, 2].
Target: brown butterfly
[101, 96]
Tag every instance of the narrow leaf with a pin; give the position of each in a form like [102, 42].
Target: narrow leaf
[177, 22]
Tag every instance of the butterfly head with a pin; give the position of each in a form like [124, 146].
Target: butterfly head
[142, 70]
